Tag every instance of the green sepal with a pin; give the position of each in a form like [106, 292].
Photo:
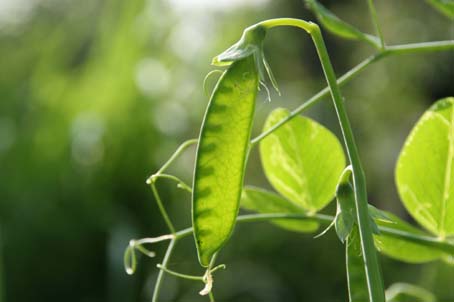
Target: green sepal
[250, 43]
[346, 210]
[345, 216]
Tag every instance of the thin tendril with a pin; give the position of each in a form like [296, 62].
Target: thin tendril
[206, 79]
[268, 95]
[179, 275]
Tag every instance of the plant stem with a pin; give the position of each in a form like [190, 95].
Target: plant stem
[180, 275]
[165, 261]
[162, 208]
[211, 295]
[390, 51]
[153, 240]
[371, 265]
[420, 47]
[325, 220]
[152, 179]
[180, 149]
[373, 14]
[180, 184]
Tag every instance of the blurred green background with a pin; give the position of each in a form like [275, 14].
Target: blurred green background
[95, 95]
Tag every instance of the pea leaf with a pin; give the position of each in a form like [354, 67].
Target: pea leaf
[338, 27]
[403, 249]
[446, 7]
[221, 157]
[404, 292]
[302, 160]
[425, 169]
[262, 201]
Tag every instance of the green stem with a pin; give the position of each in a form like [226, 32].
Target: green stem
[317, 97]
[211, 296]
[217, 267]
[152, 240]
[180, 149]
[180, 184]
[162, 208]
[152, 179]
[145, 251]
[180, 275]
[325, 220]
[420, 47]
[373, 14]
[390, 51]
[165, 261]
[372, 267]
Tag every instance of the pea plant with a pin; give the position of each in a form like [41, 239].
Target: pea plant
[306, 165]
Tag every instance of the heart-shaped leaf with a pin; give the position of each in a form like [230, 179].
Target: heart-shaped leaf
[302, 160]
[425, 169]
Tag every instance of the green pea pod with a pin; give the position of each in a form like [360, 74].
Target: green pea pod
[221, 157]
[347, 230]
[356, 275]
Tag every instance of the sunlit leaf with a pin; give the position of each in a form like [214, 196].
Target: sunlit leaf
[400, 248]
[338, 27]
[425, 169]
[262, 201]
[445, 7]
[302, 160]
[221, 157]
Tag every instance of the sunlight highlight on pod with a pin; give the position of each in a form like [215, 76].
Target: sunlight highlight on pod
[221, 157]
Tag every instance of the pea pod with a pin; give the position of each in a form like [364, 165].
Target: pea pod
[347, 230]
[356, 275]
[221, 157]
